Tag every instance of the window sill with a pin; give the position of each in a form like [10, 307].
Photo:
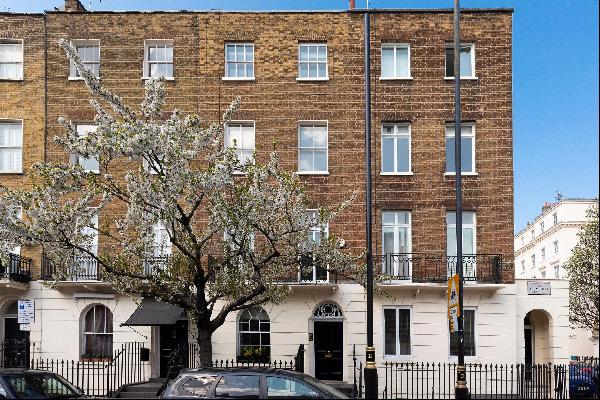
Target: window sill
[408, 78]
[231, 78]
[11, 172]
[312, 79]
[399, 358]
[11, 80]
[397, 173]
[462, 174]
[170, 78]
[78, 78]
[462, 78]
[312, 173]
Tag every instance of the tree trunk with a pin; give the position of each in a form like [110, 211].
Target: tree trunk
[204, 345]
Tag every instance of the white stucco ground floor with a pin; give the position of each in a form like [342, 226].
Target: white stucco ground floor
[503, 324]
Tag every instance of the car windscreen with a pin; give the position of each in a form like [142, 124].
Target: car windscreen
[39, 386]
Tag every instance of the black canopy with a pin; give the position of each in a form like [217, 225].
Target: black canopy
[151, 312]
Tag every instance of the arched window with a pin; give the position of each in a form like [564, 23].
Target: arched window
[98, 333]
[254, 337]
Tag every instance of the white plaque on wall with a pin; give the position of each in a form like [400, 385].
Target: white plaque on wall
[538, 288]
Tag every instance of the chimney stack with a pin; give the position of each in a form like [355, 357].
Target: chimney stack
[352, 4]
[74, 6]
[547, 206]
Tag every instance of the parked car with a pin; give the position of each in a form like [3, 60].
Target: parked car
[583, 381]
[250, 383]
[34, 384]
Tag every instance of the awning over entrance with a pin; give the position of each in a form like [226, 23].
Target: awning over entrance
[151, 313]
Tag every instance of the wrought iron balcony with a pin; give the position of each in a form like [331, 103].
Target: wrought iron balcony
[82, 268]
[426, 267]
[156, 264]
[310, 272]
[16, 268]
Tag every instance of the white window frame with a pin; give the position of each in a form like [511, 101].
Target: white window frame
[314, 78]
[473, 136]
[76, 159]
[542, 227]
[462, 45]
[239, 150]
[396, 226]
[397, 356]
[226, 77]
[22, 62]
[239, 332]
[523, 266]
[396, 136]
[543, 254]
[162, 248]
[556, 271]
[533, 260]
[555, 218]
[157, 42]
[84, 333]
[395, 47]
[473, 226]
[73, 73]
[321, 123]
[314, 231]
[555, 244]
[17, 122]
[475, 336]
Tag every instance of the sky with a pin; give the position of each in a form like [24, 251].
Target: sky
[555, 83]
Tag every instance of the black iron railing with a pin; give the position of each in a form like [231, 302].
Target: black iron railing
[100, 378]
[431, 380]
[84, 268]
[14, 353]
[16, 268]
[430, 267]
[81, 268]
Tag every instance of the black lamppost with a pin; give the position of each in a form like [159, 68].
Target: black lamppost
[461, 390]
[370, 366]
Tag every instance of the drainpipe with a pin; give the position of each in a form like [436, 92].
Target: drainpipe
[370, 366]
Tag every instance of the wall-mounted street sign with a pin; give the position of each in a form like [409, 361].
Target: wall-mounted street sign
[453, 308]
[26, 312]
[539, 288]
[25, 327]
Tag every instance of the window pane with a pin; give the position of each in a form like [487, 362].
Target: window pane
[388, 154]
[303, 70]
[320, 160]
[469, 332]
[450, 167]
[404, 331]
[169, 53]
[402, 154]
[303, 53]
[320, 136]
[312, 70]
[312, 53]
[402, 62]
[306, 160]
[250, 70]
[169, 71]
[230, 52]
[387, 62]
[466, 154]
[246, 386]
[161, 53]
[322, 53]
[306, 136]
[152, 53]
[466, 69]
[278, 387]
[389, 316]
[449, 61]
[322, 73]
[468, 244]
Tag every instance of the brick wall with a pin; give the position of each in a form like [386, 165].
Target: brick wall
[24, 99]
[276, 101]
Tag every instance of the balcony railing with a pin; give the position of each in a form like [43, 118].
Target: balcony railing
[85, 268]
[425, 267]
[16, 269]
[82, 268]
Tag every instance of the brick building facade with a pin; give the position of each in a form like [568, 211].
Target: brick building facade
[418, 103]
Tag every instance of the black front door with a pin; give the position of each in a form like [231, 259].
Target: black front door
[329, 354]
[16, 344]
[173, 346]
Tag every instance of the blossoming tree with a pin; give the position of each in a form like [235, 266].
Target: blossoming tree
[237, 229]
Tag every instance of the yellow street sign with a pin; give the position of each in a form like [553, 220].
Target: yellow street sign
[453, 308]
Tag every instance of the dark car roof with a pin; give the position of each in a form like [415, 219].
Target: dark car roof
[256, 370]
[24, 370]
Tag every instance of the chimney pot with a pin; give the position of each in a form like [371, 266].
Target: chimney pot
[352, 4]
